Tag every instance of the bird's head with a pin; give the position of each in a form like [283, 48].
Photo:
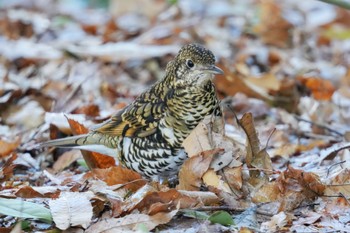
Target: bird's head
[194, 65]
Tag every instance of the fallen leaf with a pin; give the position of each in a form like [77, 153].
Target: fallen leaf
[7, 147]
[71, 209]
[192, 170]
[210, 178]
[273, 29]
[6, 170]
[197, 141]
[320, 89]
[307, 218]
[149, 201]
[131, 223]
[276, 223]
[30, 192]
[308, 180]
[255, 157]
[118, 175]
[66, 159]
[339, 184]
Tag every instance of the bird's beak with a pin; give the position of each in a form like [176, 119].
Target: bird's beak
[214, 70]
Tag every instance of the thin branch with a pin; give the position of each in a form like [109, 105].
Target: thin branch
[319, 125]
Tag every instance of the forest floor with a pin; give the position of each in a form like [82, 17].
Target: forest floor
[280, 164]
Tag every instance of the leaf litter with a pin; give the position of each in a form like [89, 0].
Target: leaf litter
[279, 162]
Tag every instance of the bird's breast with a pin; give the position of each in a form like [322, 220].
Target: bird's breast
[186, 110]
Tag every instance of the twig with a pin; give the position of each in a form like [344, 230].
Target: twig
[231, 209]
[228, 183]
[341, 194]
[319, 125]
[329, 169]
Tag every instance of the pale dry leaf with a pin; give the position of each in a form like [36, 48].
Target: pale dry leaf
[27, 48]
[207, 198]
[224, 159]
[267, 81]
[197, 141]
[72, 209]
[138, 197]
[210, 178]
[131, 223]
[234, 177]
[307, 218]
[122, 51]
[66, 159]
[276, 223]
[28, 114]
[334, 224]
[267, 192]
[339, 184]
[26, 160]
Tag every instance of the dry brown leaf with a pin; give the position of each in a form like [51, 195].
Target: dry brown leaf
[339, 184]
[164, 199]
[6, 170]
[320, 89]
[268, 192]
[119, 175]
[90, 110]
[291, 200]
[273, 29]
[233, 83]
[92, 159]
[255, 157]
[234, 177]
[202, 198]
[192, 170]
[308, 180]
[131, 223]
[147, 200]
[38, 192]
[210, 178]
[7, 147]
[287, 96]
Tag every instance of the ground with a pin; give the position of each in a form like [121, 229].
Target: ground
[279, 163]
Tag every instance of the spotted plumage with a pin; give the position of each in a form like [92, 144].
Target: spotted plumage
[147, 135]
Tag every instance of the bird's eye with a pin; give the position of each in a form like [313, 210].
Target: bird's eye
[189, 63]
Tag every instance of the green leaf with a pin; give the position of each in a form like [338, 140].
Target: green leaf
[221, 217]
[172, 2]
[25, 225]
[82, 163]
[24, 209]
[337, 33]
[195, 214]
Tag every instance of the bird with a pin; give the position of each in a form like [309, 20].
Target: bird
[147, 135]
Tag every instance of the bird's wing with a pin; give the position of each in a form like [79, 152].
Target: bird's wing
[139, 119]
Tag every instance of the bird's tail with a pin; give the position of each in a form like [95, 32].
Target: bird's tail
[92, 142]
[67, 142]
